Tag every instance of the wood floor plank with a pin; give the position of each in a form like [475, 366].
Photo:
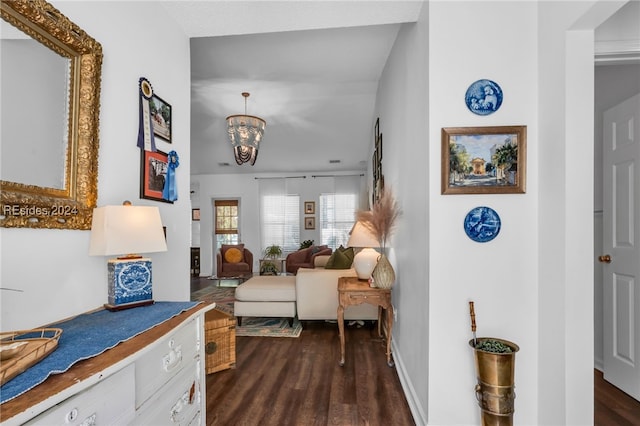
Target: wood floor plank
[612, 406]
[297, 381]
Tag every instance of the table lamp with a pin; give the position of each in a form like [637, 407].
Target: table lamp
[122, 230]
[366, 259]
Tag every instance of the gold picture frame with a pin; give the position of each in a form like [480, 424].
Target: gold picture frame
[309, 207]
[484, 160]
[71, 207]
[310, 223]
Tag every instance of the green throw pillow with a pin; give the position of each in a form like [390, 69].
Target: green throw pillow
[342, 258]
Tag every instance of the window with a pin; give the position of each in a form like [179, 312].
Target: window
[280, 215]
[337, 216]
[226, 220]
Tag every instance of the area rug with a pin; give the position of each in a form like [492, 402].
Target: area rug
[223, 296]
[263, 327]
[268, 327]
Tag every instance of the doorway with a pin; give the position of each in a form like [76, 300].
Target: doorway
[616, 79]
[226, 225]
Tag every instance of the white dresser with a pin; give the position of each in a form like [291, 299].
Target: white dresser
[155, 378]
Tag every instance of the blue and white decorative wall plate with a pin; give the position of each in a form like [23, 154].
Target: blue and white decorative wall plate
[482, 224]
[483, 97]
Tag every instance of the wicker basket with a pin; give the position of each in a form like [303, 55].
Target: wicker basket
[220, 341]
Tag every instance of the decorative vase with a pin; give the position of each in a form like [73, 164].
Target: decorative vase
[383, 274]
[495, 390]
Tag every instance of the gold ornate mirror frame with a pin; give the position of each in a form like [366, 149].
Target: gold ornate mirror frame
[71, 207]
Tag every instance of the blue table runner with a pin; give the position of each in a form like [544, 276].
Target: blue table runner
[88, 335]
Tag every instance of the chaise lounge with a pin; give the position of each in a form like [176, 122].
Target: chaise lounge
[312, 294]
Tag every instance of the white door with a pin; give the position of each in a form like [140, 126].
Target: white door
[621, 244]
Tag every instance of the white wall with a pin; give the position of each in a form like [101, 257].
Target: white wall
[52, 267]
[403, 107]
[470, 41]
[245, 187]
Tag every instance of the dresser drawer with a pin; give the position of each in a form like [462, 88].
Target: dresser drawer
[167, 358]
[109, 402]
[177, 403]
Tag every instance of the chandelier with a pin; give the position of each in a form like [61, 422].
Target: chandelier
[245, 133]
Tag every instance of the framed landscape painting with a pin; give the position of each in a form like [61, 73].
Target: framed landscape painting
[484, 160]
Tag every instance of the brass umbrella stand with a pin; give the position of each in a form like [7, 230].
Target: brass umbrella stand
[495, 370]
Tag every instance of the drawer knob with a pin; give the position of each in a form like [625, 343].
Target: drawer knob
[211, 347]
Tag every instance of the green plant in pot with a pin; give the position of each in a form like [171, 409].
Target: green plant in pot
[268, 268]
[305, 244]
[273, 252]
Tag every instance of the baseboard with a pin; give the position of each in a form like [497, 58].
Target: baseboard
[599, 365]
[417, 410]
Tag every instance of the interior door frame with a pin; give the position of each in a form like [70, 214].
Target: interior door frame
[608, 53]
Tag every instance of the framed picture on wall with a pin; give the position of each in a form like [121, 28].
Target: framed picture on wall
[160, 117]
[309, 207]
[309, 223]
[484, 160]
[153, 173]
[195, 214]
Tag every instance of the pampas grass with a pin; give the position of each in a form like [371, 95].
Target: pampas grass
[381, 219]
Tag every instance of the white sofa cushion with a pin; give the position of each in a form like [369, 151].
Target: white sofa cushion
[320, 261]
[267, 288]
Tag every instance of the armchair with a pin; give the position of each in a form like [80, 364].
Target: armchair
[234, 261]
[305, 258]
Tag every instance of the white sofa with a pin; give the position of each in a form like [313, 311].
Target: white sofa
[317, 296]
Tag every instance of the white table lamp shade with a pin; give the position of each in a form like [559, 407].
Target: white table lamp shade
[121, 230]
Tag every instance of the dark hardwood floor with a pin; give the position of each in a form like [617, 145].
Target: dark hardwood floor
[284, 381]
[612, 406]
[297, 381]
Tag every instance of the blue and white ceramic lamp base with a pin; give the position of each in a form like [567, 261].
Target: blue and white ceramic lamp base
[129, 282]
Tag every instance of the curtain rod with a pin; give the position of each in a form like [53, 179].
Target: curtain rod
[282, 177]
[319, 176]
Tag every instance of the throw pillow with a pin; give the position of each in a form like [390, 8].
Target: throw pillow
[226, 247]
[321, 260]
[342, 258]
[233, 255]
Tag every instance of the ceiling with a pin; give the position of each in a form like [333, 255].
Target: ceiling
[311, 67]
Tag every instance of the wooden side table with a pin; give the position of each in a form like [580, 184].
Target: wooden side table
[352, 291]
